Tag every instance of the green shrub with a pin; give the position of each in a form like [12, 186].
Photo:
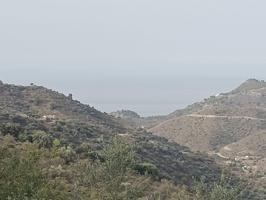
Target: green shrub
[68, 154]
[113, 178]
[10, 129]
[146, 168]
[21, 177]
[118, 156]
[43, 139]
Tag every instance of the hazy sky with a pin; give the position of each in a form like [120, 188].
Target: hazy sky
[147, 55]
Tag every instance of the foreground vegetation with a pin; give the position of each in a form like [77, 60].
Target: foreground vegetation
[30, 172]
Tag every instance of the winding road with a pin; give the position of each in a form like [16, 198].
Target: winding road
[225, 117]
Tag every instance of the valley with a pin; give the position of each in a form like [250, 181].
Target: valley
[200, 144]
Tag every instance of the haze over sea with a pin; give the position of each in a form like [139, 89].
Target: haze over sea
[149, 56]
[146, 90]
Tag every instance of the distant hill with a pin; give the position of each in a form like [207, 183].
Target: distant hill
[125, 114]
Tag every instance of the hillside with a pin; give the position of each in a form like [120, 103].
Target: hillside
[219, 120]
[230, 125]
[34, 111]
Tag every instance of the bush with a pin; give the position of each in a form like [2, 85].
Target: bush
[146, 168]
[43, 139]
[11, 129]
[21, 175]
[68, 154]
[222, 190]
[118, 156]
[113, 178]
